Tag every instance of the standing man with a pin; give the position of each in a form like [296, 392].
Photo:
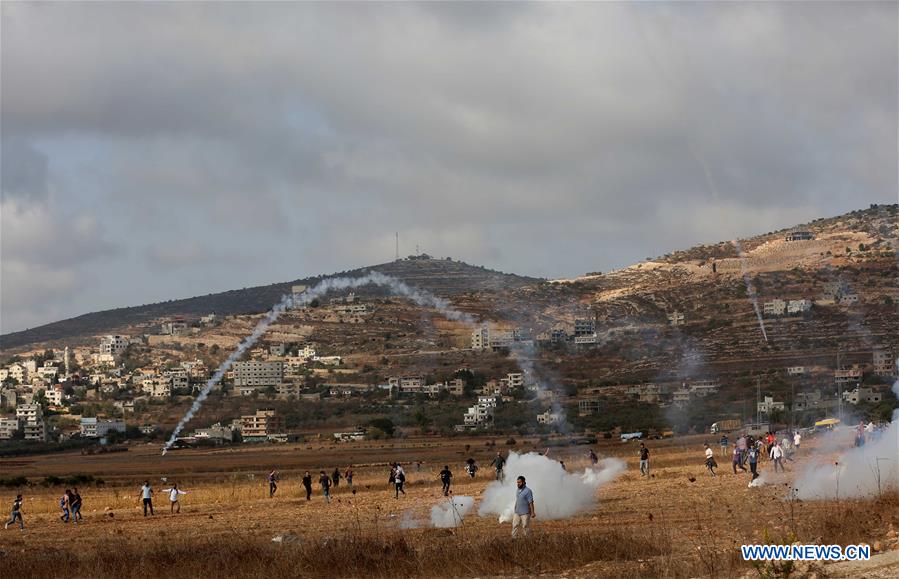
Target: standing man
[498, 463]
[446, 478]
[65, 503]
[524, 509]
[399, 480]
[593, 458]
[174, 492]
[272, 483]
[335, 478]
[797, 438]
[147, 493]
[644, 460]
[16, 514]
[307, 484]
[777, 455]
[325, 481]
[724, 442]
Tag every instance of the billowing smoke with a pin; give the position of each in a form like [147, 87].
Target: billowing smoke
[863, 471]
[558, 494]
[450, 513]
[409, 521]
[750, 289]
[395, 286]
[525, 357]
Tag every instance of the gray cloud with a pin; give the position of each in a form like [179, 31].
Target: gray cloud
[548, 139]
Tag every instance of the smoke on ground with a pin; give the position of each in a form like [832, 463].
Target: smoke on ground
[451, 512]
[558, 494]
[395, 286]
[863, 471]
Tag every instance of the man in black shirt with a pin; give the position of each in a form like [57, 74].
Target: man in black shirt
[446, 477]
[644, 460]
[307, 484]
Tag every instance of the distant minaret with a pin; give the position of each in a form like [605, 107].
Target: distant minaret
[66, 359]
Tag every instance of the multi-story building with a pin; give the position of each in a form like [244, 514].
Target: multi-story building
[774, 308]
[799, 236]
[17, 372]
[799, 306]
[54, 395]
[796, 370]
[549, 417]
[9, 427]
[589, 407]
[216, 433]
[768, 405]
[174, 328]
[404, 385]
[157, 386]
[584, 327]
[100, 428]
[29, 412]
[705, 387]
[884, 363]
[848, 375]
[262, 425]
[676, 318]
[862, 394]
[113, 345]
[36, 431]
[257, 373]
[848, 299]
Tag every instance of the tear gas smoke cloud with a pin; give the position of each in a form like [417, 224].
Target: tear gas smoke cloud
[409, 521]
[863, 471]
[395, 286]
[750, 289]
[525, 357]
[558, 494]
[450, 513]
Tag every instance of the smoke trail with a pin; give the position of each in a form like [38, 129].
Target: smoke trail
[750, 290]
[397, 287]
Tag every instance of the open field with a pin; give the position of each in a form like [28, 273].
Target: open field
[667, 525]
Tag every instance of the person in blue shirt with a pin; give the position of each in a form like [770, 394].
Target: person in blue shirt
[524, 509]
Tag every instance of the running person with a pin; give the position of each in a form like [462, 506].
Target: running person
[272, 483]
[446, 477]
[710, 460]
[498, 463]
[325, 481]
[76, 506]
[16, 514]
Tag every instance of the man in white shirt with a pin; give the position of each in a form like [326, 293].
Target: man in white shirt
[777, 455]
[173, 497]
[146, 493]
[797, 438]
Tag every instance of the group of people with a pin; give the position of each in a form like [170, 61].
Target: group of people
[146, 493]
[749, 449]
[70, 503]
[326, 481]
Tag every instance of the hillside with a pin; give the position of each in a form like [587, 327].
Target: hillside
[442, 277]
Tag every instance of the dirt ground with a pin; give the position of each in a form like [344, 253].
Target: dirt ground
[703, 520]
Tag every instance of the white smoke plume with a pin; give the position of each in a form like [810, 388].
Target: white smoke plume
[409, 521]
[750, 289]
[395, 286]
[558, 494]
[450, 513]
[864, 471]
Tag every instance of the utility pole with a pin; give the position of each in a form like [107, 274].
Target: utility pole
[397, 256]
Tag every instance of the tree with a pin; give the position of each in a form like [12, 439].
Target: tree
[383, 424]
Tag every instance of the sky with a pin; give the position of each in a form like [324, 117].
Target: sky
[154, 151]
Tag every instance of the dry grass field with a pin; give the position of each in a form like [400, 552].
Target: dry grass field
[678, 523]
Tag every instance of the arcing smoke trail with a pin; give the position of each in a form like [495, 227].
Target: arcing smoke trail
[397, 287]
[750, 290]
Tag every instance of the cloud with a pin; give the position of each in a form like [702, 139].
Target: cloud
[547, 139]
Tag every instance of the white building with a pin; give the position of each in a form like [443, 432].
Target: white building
[774, 308]
[848, 375]
[18, 372]
[768, 405]
[796, 370]
[8, 427]
[862, 394]
[113, 344]
[549, 417]
[406, 385]
[54, 396]
[676, 318]
[157, 387]
[256, 373]
[100, 428]
[799, 306]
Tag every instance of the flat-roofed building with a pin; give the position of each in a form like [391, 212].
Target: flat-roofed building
[258, 373]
